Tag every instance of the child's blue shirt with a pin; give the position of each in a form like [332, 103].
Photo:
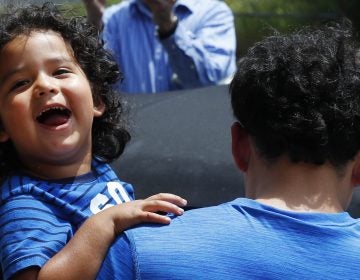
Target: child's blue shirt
[38, 217]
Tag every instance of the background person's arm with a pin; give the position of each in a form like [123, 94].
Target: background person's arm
[163, 14]
[204, 55]
[95, 10]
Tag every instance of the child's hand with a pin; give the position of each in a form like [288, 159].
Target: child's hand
[139, 211]
[97, 234]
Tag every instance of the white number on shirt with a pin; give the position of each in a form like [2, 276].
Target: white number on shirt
[100, 201]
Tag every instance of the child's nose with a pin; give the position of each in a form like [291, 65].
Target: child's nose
[45, 84]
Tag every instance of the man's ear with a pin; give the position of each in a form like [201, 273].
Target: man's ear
[240, 146]
[99, 109]
[355, 176]
[3, 136]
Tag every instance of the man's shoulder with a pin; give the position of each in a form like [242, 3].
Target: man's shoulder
[150, 246]
[187, 223]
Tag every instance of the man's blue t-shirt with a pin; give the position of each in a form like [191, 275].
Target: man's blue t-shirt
[242, 239]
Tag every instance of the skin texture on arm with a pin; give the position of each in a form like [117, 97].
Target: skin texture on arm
[82, 257]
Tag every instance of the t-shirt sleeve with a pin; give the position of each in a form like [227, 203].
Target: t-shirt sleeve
[30, 234]
[119, 261]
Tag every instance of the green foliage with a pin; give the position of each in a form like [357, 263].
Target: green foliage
[281, 6]
[73, 9]
[255, 19]
[112, 2]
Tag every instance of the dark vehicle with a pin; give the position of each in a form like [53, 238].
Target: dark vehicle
[181, 144]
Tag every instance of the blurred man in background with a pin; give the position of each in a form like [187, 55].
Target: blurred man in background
[164, 45]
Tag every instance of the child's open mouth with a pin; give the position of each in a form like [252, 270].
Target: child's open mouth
[54, 116]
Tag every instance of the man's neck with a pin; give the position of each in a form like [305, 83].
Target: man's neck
[299, 187]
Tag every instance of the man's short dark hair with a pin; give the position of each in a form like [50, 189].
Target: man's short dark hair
[299, 95]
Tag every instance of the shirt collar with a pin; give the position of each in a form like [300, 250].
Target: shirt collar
[187, 4]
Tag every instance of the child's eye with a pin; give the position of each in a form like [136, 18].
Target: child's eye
[19, 84]
[61, 71]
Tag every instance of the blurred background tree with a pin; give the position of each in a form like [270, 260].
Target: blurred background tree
[255, 19]
[258, 18]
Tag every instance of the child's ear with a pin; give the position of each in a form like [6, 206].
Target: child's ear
[99, 109]
[240, 146]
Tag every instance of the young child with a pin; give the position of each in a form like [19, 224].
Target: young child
[61, 123]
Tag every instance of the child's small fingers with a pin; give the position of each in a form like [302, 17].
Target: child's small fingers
[151, 217]
[162, 206]
[169, 197]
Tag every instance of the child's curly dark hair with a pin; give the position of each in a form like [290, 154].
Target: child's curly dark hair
[109, 133]
[299, 95]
